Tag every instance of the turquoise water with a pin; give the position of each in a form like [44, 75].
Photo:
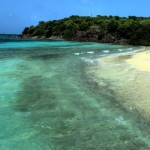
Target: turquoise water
[48, 103]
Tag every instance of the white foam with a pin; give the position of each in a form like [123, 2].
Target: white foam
[90, 52]
[120, 50]
[87, 60]
[130, 49]
[106, 51]
[76, 53]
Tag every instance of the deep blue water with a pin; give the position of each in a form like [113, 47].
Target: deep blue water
[48, 103]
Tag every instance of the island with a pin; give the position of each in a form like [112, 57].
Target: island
[104, 29]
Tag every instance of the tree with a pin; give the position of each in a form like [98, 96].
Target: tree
[112, 26]
[26, 30]
[136, 30]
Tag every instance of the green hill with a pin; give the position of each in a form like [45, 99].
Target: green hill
[106, 29]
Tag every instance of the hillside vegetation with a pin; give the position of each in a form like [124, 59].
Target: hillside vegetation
[105, 29]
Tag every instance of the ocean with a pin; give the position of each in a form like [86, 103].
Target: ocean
[48, 102]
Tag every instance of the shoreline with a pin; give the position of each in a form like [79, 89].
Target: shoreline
[53, 38]
[141, 61]
[126, 79]
[60, 38]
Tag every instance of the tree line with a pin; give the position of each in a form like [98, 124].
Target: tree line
[134, 30]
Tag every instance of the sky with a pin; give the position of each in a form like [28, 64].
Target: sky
[15, 15]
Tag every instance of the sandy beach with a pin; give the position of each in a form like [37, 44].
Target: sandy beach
[141, 61]
[126, 78]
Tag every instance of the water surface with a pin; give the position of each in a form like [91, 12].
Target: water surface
[48, 103]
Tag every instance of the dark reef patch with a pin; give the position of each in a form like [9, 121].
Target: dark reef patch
[35, 95]
[46, 56]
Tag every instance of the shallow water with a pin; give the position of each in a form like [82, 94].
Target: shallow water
[47, 101]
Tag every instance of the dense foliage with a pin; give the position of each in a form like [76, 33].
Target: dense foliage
[113, 29]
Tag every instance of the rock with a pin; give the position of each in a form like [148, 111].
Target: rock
[109, 39]
[95, 35]
[56, 38]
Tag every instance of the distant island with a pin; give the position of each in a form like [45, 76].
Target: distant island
[104, 29]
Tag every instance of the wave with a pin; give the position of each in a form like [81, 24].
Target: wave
[90, 61]
[106, 51]
[120, 50]
[76, 53]
[90, 52]
[87, 60]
